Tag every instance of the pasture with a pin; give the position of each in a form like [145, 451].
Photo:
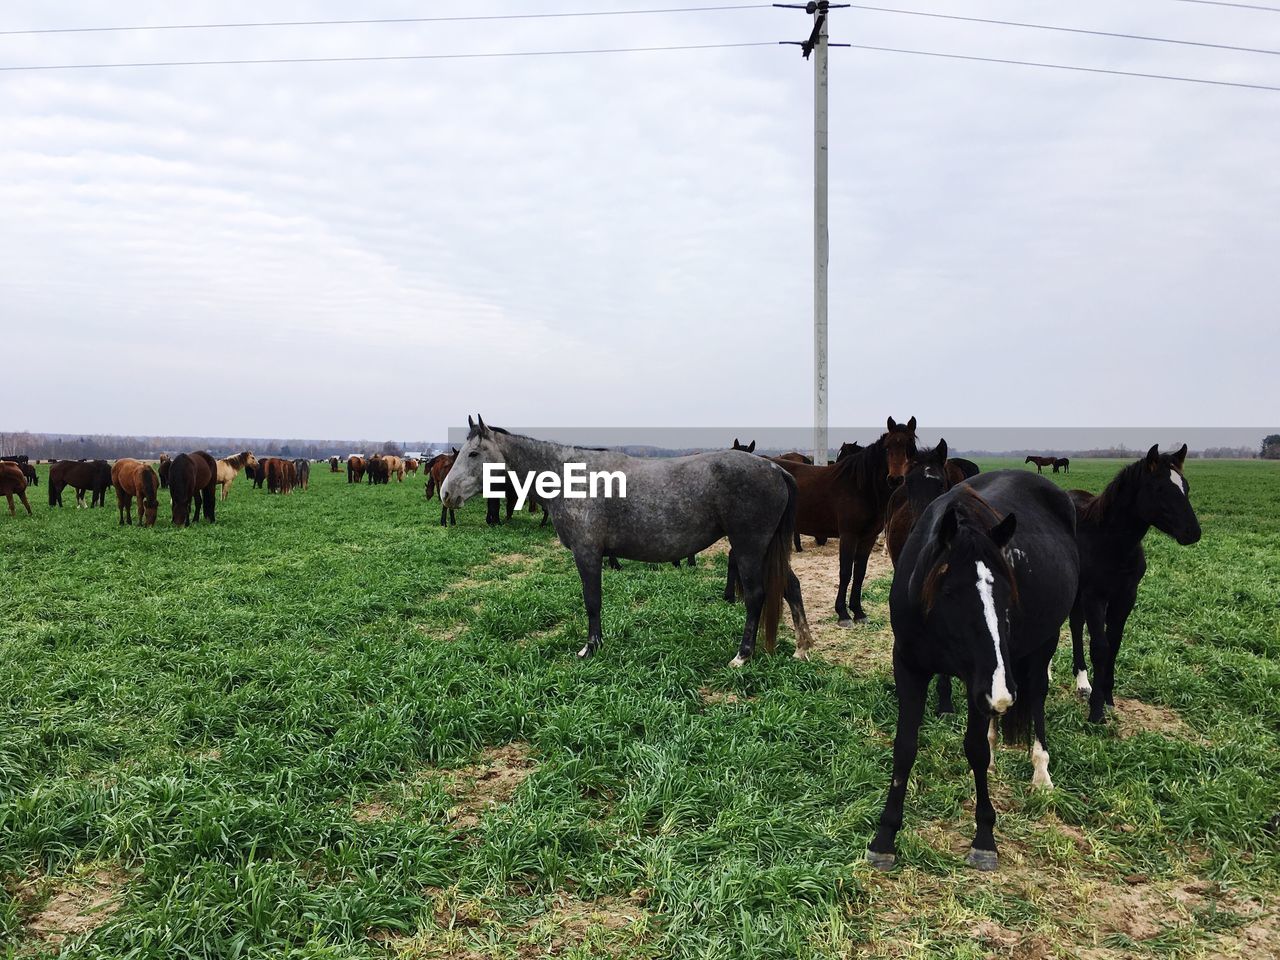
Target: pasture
[328, 727]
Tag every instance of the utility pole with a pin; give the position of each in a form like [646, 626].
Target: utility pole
[818, 44]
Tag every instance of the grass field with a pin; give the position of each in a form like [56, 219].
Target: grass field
[325, 727]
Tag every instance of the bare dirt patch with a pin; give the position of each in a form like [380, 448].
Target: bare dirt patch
[862, 647]
[721, 697]
[75, 906]
[488, 784]
[1134, 717]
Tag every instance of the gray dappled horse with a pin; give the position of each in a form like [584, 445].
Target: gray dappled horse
[673, 508]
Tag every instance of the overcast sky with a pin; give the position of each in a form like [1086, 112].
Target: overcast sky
[378, 249]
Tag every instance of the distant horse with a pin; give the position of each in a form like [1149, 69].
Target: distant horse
[1064, 463]
[847, 499]
[290, 475]
[81, 475]
[395, 468]
[229, 469]
[333, 465]
[193, 479]
[411, 466]
[133, 478]
[13, 482]
[673, 508]
[29, 472]
[377, 470]
[437, 468]
[1040, 462]
[355, 469]
[980, 592]
[1151, 492]
[163, 470]
[302, 472]
[794, 456]
[279, 474]
[747, 448]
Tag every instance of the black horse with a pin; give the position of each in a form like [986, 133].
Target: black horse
[1151, 492]
[982, 588]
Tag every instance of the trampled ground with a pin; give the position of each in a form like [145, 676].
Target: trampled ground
[326, 727]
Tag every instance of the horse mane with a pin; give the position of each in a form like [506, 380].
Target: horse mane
[1122, 487]
[969, 504]
[861, 467]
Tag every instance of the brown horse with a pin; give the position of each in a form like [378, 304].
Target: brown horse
[1040, 462]
[355, 469]
[411, 466]
[280, 474]
[230, 467]
[133, 478]
[847, 499]
[437, 468]
[80, 475]
[12, 480]
[193, 480]
[163, 470]
[333, 465]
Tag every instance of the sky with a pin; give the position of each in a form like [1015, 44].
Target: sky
[379, 249]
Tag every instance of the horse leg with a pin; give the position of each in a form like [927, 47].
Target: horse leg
[943, 685]
[911, 694]
[492, 516]
[589, 571]
[799, 622]
[860, 574]
[751, 576]
[1117, 616]
[1039, 752]
[731, 581]
[796, 542]
[22, 495]
[982, 855]
[453, 517]
[1078, 665]
[9, 497]
[1095, 618]
[846, 572]
[443, 515]
[614, 564]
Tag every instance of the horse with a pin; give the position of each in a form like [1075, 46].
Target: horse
[981, 590]
[1040, 462]
[333, 465]
[302, 471]
[355, 469]
[411, 466]
[12, 481]
[290, 475]
[133, 478]
[193, 478]
[847, 499]
[437, 468]
[229, 469]
[80, 475]
[395, 468]
[29, 472]
[747, 448]
[377, 470]
[669, 508]
[1064, 463]
[1150, 492]
[847, 450]
[163, 470]
[795, 456]
[278, 474]
[959, 470]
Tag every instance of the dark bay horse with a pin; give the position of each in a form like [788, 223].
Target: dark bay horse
[1151, 492]
[671, 508]
[302, 472]
[1063, 463]
[980, 592]
[81, 475]
[24, 464]
[12, 481]
[133, 478]
[162, 469]
[847, 450]
[847, 499]
[333, 465]
[355, 469]
[193, 480]
[1040, 462]
[437, 469]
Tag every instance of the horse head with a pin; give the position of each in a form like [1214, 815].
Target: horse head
[466, 476]
[899, 448]
[1164, 496]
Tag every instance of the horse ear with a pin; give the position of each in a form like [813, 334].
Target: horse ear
[455, 451]
[911, 424]
[471, 424]
[1180, 456]
[1153, 456]
[1002, 532]
[892, 424]
[942, 450]
[751, 448]
[948, 526]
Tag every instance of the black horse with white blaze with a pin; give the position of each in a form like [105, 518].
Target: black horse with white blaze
[672, 508]
[980, 591]
[1151, 492]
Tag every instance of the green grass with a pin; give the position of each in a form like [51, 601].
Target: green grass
[216, 711]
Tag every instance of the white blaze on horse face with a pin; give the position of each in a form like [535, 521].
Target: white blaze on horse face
[1000, 698]
[1176, 479]
[1040, 763]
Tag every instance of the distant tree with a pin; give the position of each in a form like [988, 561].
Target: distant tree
[391, 448]
[285, 451]
[1271, 447]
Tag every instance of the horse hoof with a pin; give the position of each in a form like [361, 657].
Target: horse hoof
[982, 859]
[585, 652]
[881, 861]
[737, 662]
[943, 711]
[844, 623]
[801, 655]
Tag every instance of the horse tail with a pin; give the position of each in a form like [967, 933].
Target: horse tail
[777, 565]
[1016, 724]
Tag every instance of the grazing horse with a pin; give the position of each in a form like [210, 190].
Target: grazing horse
[193, 480]
[355, 469]
[23, 463]
[1150, 492]
[302, 472]
[437, 469]
[667, 509]
[279, 475]
[980, 592]
[333, 465]
[1040, 462]
[229, 469]
[133, 478]
[411, 466]
[1064, 463]
[80, 475]
[377, 470]
[163, 470]
[395, 468]
[13, 481]
[847, 499]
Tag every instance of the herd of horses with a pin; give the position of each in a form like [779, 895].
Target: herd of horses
[379, 468]
[1058, 463]
[987, 567]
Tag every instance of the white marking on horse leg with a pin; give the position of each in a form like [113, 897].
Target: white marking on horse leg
[991, 745]
[1040, 761]
[737, 662]
[1048, 672]
[585, 651]
[1001, 699]
[1082, 683]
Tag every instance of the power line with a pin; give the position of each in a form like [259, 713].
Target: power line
[1225, 3]
[1066, 66]
[336, 23]
[382, 59]
[1057, 29]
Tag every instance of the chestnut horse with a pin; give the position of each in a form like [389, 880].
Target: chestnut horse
[193, 478]
[230, 467]
[80, 475]
[411, 466]
[279, 474]
[1040, 462]
[437, 468]
[133, 478]
[355, 469]
[13, 481]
